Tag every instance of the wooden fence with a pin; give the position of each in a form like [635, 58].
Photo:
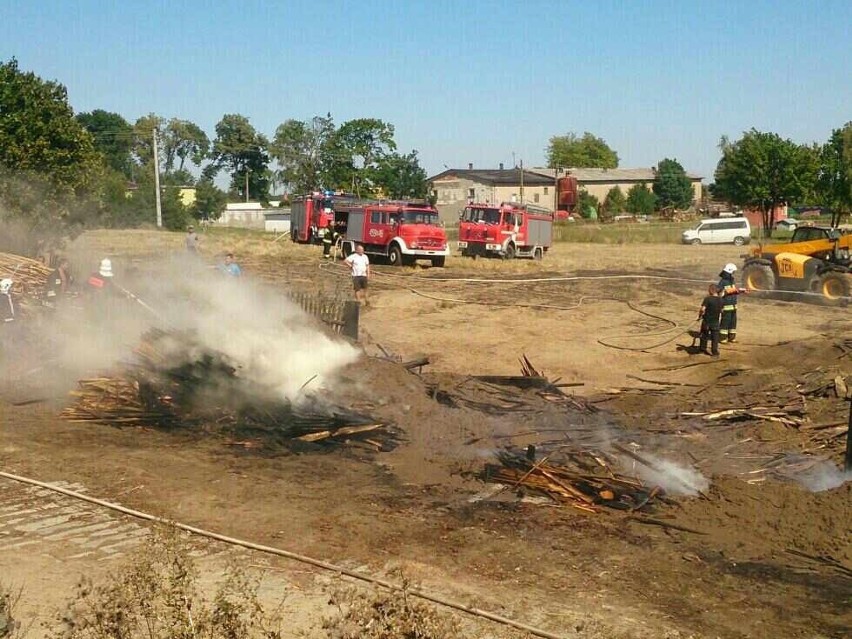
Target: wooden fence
[341, 316]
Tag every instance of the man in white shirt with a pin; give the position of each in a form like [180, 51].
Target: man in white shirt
[360, 265]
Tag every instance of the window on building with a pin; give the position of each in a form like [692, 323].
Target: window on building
[535, 198]
[545, 190]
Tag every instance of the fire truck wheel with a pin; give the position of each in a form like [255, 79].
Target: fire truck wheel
[538, 254]
[346, 249]
[395, 256]
[438, 262]
[510, 252]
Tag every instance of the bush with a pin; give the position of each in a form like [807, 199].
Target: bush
[388, 615]
[156, 595]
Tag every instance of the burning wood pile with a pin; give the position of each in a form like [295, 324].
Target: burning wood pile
[174, 382]
[30, 276]
[584, 480]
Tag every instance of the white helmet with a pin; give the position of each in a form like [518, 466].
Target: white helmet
[730, 268]
[5, 285]
[105, 269]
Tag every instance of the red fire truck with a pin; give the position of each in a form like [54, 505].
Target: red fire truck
[309, 214]
[402, 232]
[509, 230]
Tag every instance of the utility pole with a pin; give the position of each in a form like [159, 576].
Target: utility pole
[157, 180]
[522, 182]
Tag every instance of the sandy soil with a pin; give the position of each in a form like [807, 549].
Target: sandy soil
[765, 559]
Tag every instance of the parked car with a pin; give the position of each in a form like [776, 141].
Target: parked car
[736, 231]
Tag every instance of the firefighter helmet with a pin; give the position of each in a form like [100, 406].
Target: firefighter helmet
[5, 285]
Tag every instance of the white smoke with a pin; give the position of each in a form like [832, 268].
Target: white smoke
[823, 476]
[268, 337]
[674, 478]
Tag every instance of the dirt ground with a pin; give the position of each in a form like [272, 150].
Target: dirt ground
[756, 554]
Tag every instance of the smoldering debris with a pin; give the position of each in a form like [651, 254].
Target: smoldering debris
[584, 480]
[173, 381]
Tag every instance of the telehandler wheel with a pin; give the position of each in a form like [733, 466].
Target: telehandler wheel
[395, 256]
[835, 285]
[759, 277]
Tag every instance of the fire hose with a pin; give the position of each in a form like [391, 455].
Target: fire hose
[318, 563]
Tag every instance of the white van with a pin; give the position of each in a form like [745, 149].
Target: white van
[719, 231]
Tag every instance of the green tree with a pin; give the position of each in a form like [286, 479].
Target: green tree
[210, 201]
[834, 182]
[672, 186]
[614, 202]
[572, 151]
[355, 149]
[400, 176]
[239, 148]
[301, 150]
[49, 166]
[183, 140]
[113, 137]
[762, 171]
[143, 138]
[640, 200]
[39, 134]
[587, 204]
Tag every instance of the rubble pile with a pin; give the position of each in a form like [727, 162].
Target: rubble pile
[174, 382]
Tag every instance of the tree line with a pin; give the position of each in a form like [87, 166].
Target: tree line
[760, 171]
[60, 171]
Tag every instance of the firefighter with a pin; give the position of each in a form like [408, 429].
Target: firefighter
[729, 291]
[711, 309]
[327, 241]
[7, 306]
[58, 283]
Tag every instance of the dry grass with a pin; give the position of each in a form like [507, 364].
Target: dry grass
[157, 596]
[260, 254]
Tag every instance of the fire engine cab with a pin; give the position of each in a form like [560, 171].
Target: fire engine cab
[402, 232]
[509, 230]
[310, 214]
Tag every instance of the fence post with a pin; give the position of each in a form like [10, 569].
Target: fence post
[351, 313]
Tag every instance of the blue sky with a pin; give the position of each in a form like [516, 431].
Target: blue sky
[466, 81]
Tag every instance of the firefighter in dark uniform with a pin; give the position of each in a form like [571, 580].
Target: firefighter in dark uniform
[729, 292]
[58, 283]
[327, 241]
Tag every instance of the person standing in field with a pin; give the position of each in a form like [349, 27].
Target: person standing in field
[58, 283]
[360, 265]
[192, 241]
[729, 291]
[230, 266]
[710, 314]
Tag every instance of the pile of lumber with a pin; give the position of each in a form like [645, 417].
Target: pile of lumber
[120, 401]
[30, 276]
[582, 480]
[174, 382]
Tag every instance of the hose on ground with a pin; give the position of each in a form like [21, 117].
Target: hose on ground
[376, 581]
